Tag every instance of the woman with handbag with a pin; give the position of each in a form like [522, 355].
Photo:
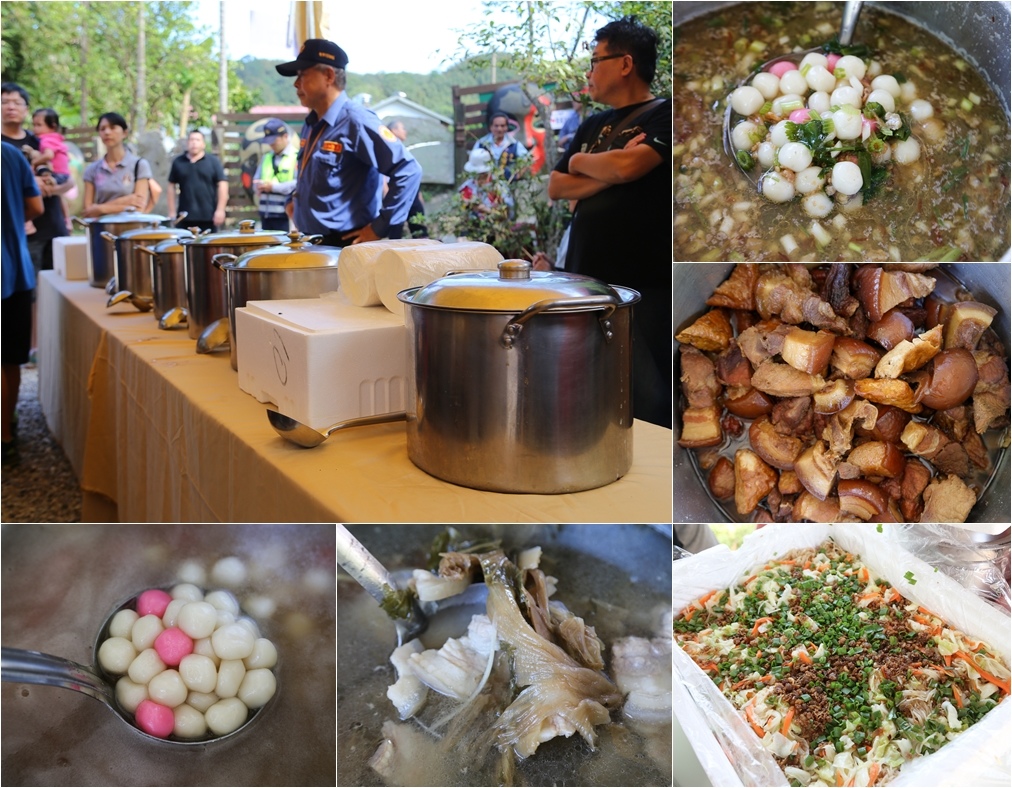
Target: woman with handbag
[120, 180]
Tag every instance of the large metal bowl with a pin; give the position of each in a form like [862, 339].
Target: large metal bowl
[989, 282]
[60, 583]
[978, 31]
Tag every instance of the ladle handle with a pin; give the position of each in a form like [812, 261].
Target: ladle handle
[33, 667]
[358, 562]
[851, 11]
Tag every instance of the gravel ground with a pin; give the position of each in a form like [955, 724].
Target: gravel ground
[41, 487]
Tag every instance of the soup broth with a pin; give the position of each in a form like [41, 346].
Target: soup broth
[951, 204]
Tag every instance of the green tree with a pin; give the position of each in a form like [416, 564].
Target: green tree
[44, 50]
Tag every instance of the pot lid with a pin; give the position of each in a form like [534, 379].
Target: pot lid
[245, 235]
[128, 217]
[512, 288]
[301, 251]
[154, 232]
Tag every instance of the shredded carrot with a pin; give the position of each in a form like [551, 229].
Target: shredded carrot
[749, 580]
[892, 595]
[873, 772]
[706, 598]
[864, 574]
[957, 695]
[839, 777]
[691, 612]
[788, 719]
[1004, 685]
[759, 622]
[822, 567]
[947, 658]
[751, 719]
[711, 666]
[851, 781]
[803, 656]
[927, 612]
[808, 563]
[869, 595]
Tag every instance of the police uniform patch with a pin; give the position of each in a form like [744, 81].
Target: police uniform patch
[388, 135]
[330, 146]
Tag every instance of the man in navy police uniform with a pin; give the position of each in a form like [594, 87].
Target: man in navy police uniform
[344, 152]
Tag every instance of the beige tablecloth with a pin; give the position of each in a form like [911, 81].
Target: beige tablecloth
[171, 437]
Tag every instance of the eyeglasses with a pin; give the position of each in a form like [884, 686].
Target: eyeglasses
[595, 60]
[13, 103]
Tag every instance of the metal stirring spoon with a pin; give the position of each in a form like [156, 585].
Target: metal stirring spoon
[33, 667]
[309, 437]
[851, 11]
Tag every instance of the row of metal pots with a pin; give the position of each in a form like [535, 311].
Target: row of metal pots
[520, 381]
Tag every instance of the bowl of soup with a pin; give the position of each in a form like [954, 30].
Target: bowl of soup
[950, 204]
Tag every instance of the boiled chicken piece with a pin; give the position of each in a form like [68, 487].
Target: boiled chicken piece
[642, 670]
[457, 668]
[408, 694]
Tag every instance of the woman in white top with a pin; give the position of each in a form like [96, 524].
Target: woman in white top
[119, 180]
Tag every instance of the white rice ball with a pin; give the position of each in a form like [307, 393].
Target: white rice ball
[819, 79]
[887, 82]
[792, 82]
[795, 156]
[776, 188]
[808, 180]
[921, 110]
[817, 204]
[847, 177]
[746, 100]
[883, 97]
[852, 66]
[907, 152]
[741, 137]
[767, 84]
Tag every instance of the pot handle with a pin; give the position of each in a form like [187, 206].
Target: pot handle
[220, 259]
[585, 304]
[179, 217]
[80, 222]
[109, 236]
[145, 249]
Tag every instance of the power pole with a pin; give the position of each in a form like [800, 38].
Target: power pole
[142, 77]
[222, 64]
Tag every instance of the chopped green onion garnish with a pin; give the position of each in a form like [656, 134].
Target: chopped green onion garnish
[966, 105]
[790, 106]
[966, 208]
[745, 160]
[767, 107]
[757, 46]
[973, 97]
[855, 247]
[840, 73]
[805, 69]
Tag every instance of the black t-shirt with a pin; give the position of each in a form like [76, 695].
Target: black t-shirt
[622, 234]
[198, 185]
[52, 223]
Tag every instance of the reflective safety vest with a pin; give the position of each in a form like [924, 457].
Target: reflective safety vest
[276, 169]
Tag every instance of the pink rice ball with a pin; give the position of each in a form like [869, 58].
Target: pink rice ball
[153, 602]
[832, 62]
[801, 116]
[782, 67]
[172, 645]
[155, 719]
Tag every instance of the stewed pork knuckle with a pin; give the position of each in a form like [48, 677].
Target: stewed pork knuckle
[867, 392]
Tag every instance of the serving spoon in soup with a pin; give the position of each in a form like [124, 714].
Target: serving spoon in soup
[851, 11]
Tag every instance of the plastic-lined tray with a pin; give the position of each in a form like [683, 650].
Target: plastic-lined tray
[729, 750]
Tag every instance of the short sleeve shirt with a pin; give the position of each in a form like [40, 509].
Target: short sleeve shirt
[52, 223]
[112, 181]
[343, 157]
[198, 185]
[18, 184]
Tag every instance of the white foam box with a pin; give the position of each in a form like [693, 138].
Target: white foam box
[322, 360]
[70, 256]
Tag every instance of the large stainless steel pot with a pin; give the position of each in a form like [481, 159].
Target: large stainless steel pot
[298, 269]
[979, 31]
[101, 251]
[693, 284]
[60, 583]
[616, 577]
[520, 381]
[133, 267]
[206, 294]
[168, 280]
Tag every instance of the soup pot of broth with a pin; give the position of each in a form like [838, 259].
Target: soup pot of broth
[616, 577]
[58, 586]
[988, 283]
[923, 212]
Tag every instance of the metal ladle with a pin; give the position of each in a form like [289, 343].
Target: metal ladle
[309, 437]
[33, 667]
[851, 11]
[381, 585]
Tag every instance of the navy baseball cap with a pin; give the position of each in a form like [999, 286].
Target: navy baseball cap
[273, 128]
[316, 51]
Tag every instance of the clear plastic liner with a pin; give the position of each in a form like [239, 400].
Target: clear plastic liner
[720, 736]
